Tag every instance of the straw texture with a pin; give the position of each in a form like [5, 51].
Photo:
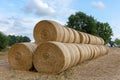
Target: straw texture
[76, 36]
[54, 57]
[20, 56]
[66, 35]
[47, 30]
[51, 57]
[56, 48]
[71, 35]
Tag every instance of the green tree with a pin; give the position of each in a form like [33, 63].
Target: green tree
[117, 41]
[3, 41]
[104, 30]
[85, 23]
[19, 39]
[23, 39]
[26, 39]
[12, 39]
[82, 22]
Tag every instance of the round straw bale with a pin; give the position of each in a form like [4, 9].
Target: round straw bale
[104, 49]
[72, 54]
[86, 38]
[88, 51]
[51, 57]
[20, 56]
[76, 53]
[98, 40]
[92, 51]
[66, 35]
[71, 35]
[76, 36]
[92, 39]
[83, 52]
[61, 31]
[107, 48]
[96, 51]
[82, 37]
[47, 30]
[102, 41]
[99, 52]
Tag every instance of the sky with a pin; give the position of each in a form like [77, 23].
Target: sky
[18, 17]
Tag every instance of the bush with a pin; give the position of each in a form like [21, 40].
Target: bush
[3, 41]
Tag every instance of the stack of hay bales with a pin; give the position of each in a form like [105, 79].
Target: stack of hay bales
[56, 49]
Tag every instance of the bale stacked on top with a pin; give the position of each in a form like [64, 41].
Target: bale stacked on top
[47, 30]
[20, 56]
[55, 57]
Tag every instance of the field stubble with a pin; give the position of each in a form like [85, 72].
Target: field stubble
[103, 68]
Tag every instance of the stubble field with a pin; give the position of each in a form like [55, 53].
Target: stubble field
[103, 68]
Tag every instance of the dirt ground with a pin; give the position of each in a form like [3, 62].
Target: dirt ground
[103, 68]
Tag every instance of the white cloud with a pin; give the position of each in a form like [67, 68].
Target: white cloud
[63, 9]
[58, 10]
[39, 8]
[98, 5]
[18, 26]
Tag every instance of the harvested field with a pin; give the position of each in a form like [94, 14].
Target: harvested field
[103, 68]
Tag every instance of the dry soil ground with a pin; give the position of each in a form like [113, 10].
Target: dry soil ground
[103, 68]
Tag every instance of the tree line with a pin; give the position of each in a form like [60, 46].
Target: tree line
[11, 39]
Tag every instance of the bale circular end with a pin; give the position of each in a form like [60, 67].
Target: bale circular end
[20, 56]
[45, 31]
[51, 58]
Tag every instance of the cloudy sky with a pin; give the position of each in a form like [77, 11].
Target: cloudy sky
[19, 17]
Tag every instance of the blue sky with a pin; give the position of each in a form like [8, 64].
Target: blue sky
[19, 17]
